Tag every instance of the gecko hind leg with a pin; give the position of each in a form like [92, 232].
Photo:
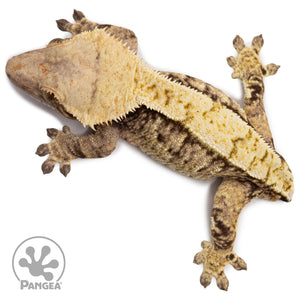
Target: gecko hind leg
[231, 197]
[214, 261]
[248, 67]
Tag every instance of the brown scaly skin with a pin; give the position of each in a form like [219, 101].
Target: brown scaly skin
[172, 144]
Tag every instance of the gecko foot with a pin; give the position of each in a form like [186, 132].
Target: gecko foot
[248, 64]
[82, 23]
[214, 261]
[59, 150]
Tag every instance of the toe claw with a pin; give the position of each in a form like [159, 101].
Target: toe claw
[48, 166]
[205, 279]
[42, 150]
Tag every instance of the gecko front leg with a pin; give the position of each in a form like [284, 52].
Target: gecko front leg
[82, 24]
[65, 146]
[231, 197]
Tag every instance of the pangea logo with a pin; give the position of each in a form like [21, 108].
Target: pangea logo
[39, 263]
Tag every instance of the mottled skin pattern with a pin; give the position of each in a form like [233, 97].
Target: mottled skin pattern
[170, 143]
[253, 85]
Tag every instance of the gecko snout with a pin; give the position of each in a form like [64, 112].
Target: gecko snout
[23, 70]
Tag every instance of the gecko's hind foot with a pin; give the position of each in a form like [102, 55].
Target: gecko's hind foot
[58, 150]
[248, 64]
[214, 262]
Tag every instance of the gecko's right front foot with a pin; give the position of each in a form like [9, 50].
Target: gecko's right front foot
[59, 150]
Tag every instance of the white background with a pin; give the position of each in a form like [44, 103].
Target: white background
[130, 227]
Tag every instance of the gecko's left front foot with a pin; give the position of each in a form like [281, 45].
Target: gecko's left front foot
[214, 261]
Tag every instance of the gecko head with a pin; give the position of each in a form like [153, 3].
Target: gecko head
[29, 71]
[90, 76]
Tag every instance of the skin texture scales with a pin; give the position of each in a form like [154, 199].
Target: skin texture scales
[182, 122]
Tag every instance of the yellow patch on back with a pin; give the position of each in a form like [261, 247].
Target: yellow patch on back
[216, 126]
[108, 81]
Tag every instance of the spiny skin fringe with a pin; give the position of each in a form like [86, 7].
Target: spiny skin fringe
[158, 76]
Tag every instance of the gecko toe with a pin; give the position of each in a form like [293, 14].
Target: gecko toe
[66, 129]
[232, 61]
[52, 132]
[239, 264]
[78, 15]
[42, 150]
[205, 279]
[257, 43]
[65, 168]
[48, 166]
[222, 281]
[63, 25]
[238, 43]
[271, 69]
